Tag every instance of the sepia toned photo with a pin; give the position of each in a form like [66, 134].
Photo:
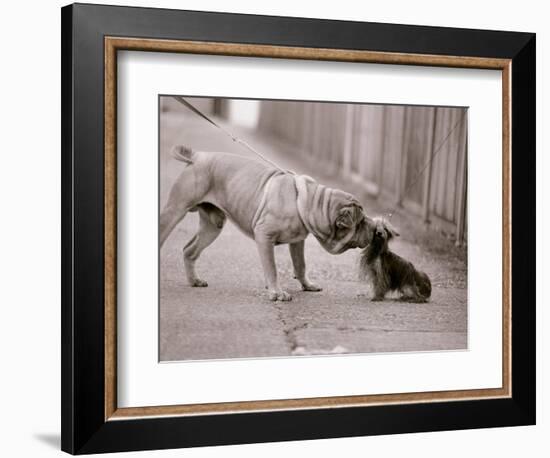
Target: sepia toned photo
[294, 228]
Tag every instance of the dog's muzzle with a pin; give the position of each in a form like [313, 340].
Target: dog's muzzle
[365, 232]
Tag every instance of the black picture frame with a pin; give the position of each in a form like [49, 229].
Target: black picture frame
[84, 427]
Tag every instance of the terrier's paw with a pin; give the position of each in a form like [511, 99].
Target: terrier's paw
[198, 283]
[377, 298]
[279, 295]
[311, 287]
[414, 299]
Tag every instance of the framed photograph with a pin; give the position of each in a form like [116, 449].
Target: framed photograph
[284, 228]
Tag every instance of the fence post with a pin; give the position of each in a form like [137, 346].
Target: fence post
[403, 158]
[428, 175]
[348, 140]
[382, 152]
[462, 185]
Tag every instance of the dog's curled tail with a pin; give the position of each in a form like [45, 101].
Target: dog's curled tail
[183, 154]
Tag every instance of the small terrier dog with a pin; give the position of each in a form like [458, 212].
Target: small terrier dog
[387, 271]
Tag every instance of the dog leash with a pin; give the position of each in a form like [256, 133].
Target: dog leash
[195, 110]
[427, 164]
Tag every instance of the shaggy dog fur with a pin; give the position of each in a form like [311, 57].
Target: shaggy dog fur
[387, 271]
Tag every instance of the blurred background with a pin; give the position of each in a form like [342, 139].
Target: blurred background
[404, 160]
[413, 158]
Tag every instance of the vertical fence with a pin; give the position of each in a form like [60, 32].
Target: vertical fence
[413, 157]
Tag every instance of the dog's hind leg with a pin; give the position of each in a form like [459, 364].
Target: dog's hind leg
[186, 193]
[170, 216]
[211, 222]
[178, 204]
[299, 263]
[412, 294]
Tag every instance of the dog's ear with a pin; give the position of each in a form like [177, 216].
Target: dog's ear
[344, 219]
[347, 217]
[392, 231]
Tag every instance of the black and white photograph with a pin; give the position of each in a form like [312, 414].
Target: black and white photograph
[298, 228]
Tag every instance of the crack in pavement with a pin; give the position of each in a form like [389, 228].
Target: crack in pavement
[289, 331]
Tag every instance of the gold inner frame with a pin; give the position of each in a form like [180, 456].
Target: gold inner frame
[114, 44]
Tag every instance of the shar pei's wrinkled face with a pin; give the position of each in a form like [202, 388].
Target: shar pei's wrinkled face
[350, 226]
[334, 217]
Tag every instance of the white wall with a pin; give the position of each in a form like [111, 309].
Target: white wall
[30, 230]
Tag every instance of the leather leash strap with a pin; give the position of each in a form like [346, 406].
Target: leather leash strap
[233, 137]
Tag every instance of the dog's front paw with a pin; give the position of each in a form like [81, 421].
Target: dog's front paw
[198, 283]
[311, 287]
[279, 295]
